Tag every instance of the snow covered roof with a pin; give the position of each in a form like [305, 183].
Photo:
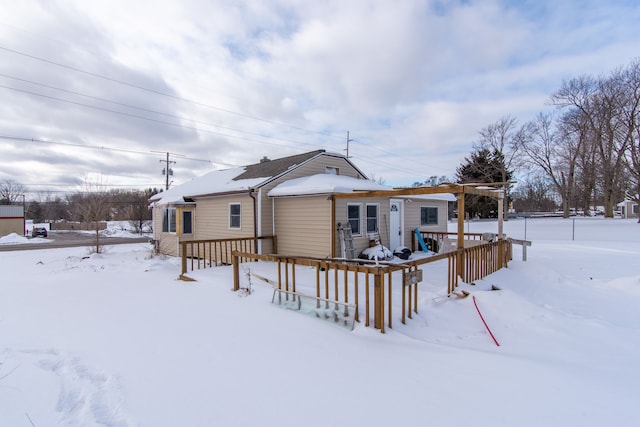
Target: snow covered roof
[324, 184]
[236, 179]
[214, 182]
[626, 202]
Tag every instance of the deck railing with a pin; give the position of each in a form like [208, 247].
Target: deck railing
[440, 237]
[198, 254]
[343, 281]
[351, 281]
[472, 263]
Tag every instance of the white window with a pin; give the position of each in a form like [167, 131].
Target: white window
[353, 216]
[372, 218]
[331, 170]
[234, 215]
[428, 215]
[187, 222]
[169, 220]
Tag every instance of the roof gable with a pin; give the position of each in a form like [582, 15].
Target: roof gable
[220, 181]
[234, 180]
[276, 167]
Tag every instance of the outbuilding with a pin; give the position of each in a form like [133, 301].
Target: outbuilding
[12, 220]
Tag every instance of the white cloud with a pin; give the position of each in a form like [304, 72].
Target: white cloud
[413, 81]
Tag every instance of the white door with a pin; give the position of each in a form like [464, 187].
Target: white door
[396, 233]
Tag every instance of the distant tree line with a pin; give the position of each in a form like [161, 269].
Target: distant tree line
[586, 153]
[93, 204]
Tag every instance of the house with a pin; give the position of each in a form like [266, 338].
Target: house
[12, 220]
[296, 198]
[628, 208]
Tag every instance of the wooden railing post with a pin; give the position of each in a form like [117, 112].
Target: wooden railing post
[236, 271]
[377, 300]
[184, 257]
[460, 265]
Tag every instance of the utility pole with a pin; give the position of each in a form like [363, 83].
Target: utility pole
[348, 141]
[167, 170]
[24, 215]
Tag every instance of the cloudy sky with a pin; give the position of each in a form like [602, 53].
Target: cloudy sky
[99, 91]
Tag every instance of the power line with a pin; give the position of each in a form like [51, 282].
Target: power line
[144, 109]
[70, 144]
[76, 185]
[165, 94]
[388, 153]
[149, 118]
[98, 147]
[174, 116]
[179, 117]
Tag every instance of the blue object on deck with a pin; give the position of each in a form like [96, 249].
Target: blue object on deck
[423, 245]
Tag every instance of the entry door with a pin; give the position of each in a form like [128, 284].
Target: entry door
[396, 233]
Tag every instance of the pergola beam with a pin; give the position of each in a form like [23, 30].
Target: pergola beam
[397, 192]
[456, 189]
[495, 190]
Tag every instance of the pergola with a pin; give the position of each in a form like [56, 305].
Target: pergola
[494, 190]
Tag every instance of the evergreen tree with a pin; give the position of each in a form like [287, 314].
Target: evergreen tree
[483, 166]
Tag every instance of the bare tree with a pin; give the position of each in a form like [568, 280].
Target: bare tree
[600, 101]
[534, 195]
[542, 146]
[433, 181]
[93, 206]
[504, 137]
[629, 80]
[11, 192]
[577, 135]
[138, 211]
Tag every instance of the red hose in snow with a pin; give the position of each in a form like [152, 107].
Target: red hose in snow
[485, 323]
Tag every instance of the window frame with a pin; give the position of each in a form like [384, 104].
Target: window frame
[367, 217]
[424, 220]
[232, 216]
[169, 220]
[332, 170]
[184, 222]
[357, 232]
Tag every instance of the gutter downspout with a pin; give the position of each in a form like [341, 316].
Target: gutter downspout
[24, 217]
[333, 226]
[252, 193]
[273, 216]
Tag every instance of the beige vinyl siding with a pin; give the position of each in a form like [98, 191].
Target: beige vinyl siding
[361, 242]
[412, 217]
[212, 220]
[312, 167]
[303, 226]
[168, 242]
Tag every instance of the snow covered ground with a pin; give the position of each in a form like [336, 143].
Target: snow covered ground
[115, 339]
[114, 229]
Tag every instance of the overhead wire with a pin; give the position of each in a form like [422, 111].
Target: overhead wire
[148, 118]
[369, 159]
[101, 147]
[202, 104]
[148, 110]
